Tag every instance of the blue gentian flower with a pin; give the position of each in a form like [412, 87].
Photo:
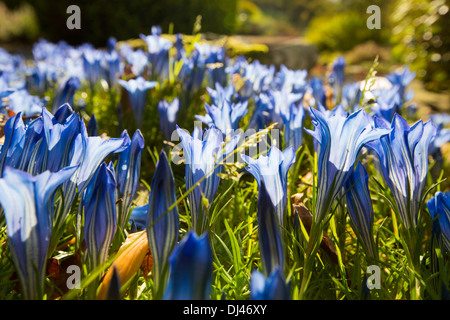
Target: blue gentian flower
[13, 142]
[112, 67]
[351, 95]
[139, 216]
[225, 118]
[127, 172]
[27, 203]
[293, 125]
[137, 93]
[66, 92]
[339, 70]
[403, 162]
[274, 287]
[219, 94]
[359, 205]
[269, 233]
[100, 216]
[168, 117]
[401, 79]
[262, 116]
[92, 126]
[203, 160]
[91, 62]
[388, 102]
[95, 150]
[23, 101]
[272, 170]
[317, 89]
[213, 58]
[282, 103]
[190, 269]
[339, 138]
[162, 224]
[440, 139]
[439, 208]
[59, 139]
[288, 80]
[158, 50]
[5, 90]
[138, 60]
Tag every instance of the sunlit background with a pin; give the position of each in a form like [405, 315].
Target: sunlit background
[301, 34]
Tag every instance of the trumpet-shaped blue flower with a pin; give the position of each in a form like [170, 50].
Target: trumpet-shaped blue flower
[269, 233]
[359, 205]
[262, 116]
[59, 138]
[225, 118]
[288, 80]
[401, 79]
[128, 171]
[317, 90]
[220, 94]
[439, 208]
[274, 287]
[214, 59]
[137, 93]
[13, 144]
[91, 63]
[338, 70]
[203, 160]
[388, 103]
[403, 163]
[339, 138]
[92, 151]
[138, 60]
[168, 117]
[92, 126]
[272, 170]
[190, 269]
[293, 125]
[65, 93]
[351, 95]
[111, 67]
[158, 49]
[100, 216]
[27, 203]
[258, 78]
[23, 101]
[162, 223]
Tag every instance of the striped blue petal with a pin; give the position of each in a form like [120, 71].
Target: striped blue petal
[13, 143]
[162, 224]
[204, 158]
[168, 117]
[190, 269]
[270, 243]
[439, 208]
[100, 216]
[403, 162]
[137, 93]
[339, 140]
[128, 171]
[96, 150]
[274, 287]
[27, 202]
[359, 205]
[273, 170]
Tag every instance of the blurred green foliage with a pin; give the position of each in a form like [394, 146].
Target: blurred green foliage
[421, 40]
[345, 26]
[18, 24]
[125, 19]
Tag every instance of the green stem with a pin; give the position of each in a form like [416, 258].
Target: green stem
[310, 255]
